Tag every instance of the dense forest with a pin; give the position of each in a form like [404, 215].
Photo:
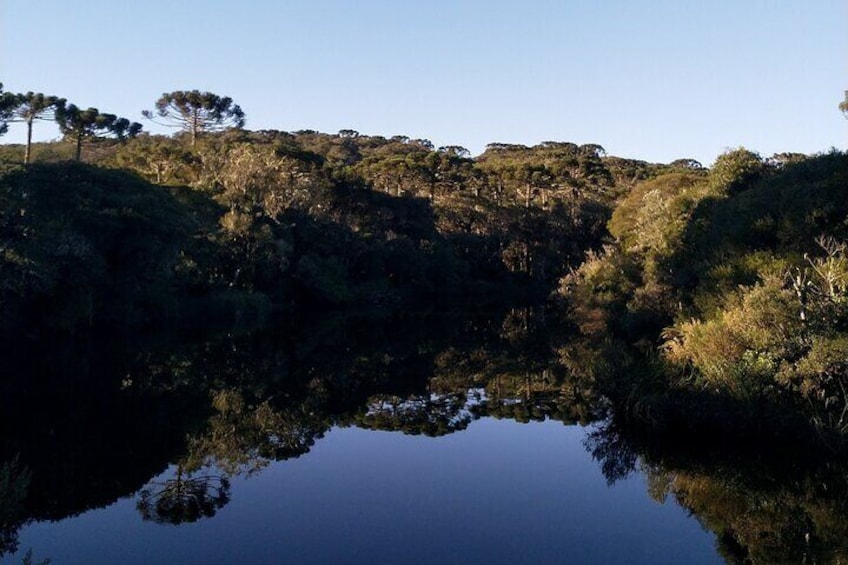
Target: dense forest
[713, 297]
[116, 227]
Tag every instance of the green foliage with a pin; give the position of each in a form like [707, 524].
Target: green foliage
[597, 293]
[8, 104]
[783, 335]
[741, 349]
[766, 228]
[414, 220]
[695, 246]
[156, 158]
[82, 244]
[632, 289]
[78, 125]
[788, 210]
[746, 266]
[736, 169]
[723, 275]
[196, 112]
[32, 106]
[652, 217]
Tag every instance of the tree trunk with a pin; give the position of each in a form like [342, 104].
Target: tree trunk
[79, 147]
[194, 127]
[28, 151]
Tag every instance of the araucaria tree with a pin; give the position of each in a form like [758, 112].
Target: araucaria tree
[7, 107]
[196, 112]
[77, 124]
[34, 106]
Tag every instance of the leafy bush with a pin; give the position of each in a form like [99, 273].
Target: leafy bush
[741, 349]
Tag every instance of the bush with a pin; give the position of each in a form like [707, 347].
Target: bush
[741, 349]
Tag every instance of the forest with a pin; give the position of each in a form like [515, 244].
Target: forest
[692, 297]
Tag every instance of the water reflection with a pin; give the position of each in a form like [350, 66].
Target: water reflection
[185, 498]
[171, 423]
[14, 486]
[765, 504]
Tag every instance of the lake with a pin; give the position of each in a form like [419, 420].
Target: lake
[498, 492]
[360, 440]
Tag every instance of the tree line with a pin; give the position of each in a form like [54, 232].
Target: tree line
[193, 111]
[262, 220]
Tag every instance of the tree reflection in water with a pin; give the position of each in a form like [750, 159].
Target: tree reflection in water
[241, 438]
[764, 505]
[229, 406]
[183, 499]
[14, 484]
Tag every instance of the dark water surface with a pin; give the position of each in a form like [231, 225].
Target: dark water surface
[498, 492]
[461, 439]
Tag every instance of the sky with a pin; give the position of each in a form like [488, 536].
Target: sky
[649, 79]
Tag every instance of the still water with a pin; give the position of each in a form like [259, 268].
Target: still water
[350, 440]
[498, 492]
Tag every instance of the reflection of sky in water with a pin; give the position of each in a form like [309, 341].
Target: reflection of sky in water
[499, 492]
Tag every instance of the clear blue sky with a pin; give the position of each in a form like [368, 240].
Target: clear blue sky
[652, 79]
